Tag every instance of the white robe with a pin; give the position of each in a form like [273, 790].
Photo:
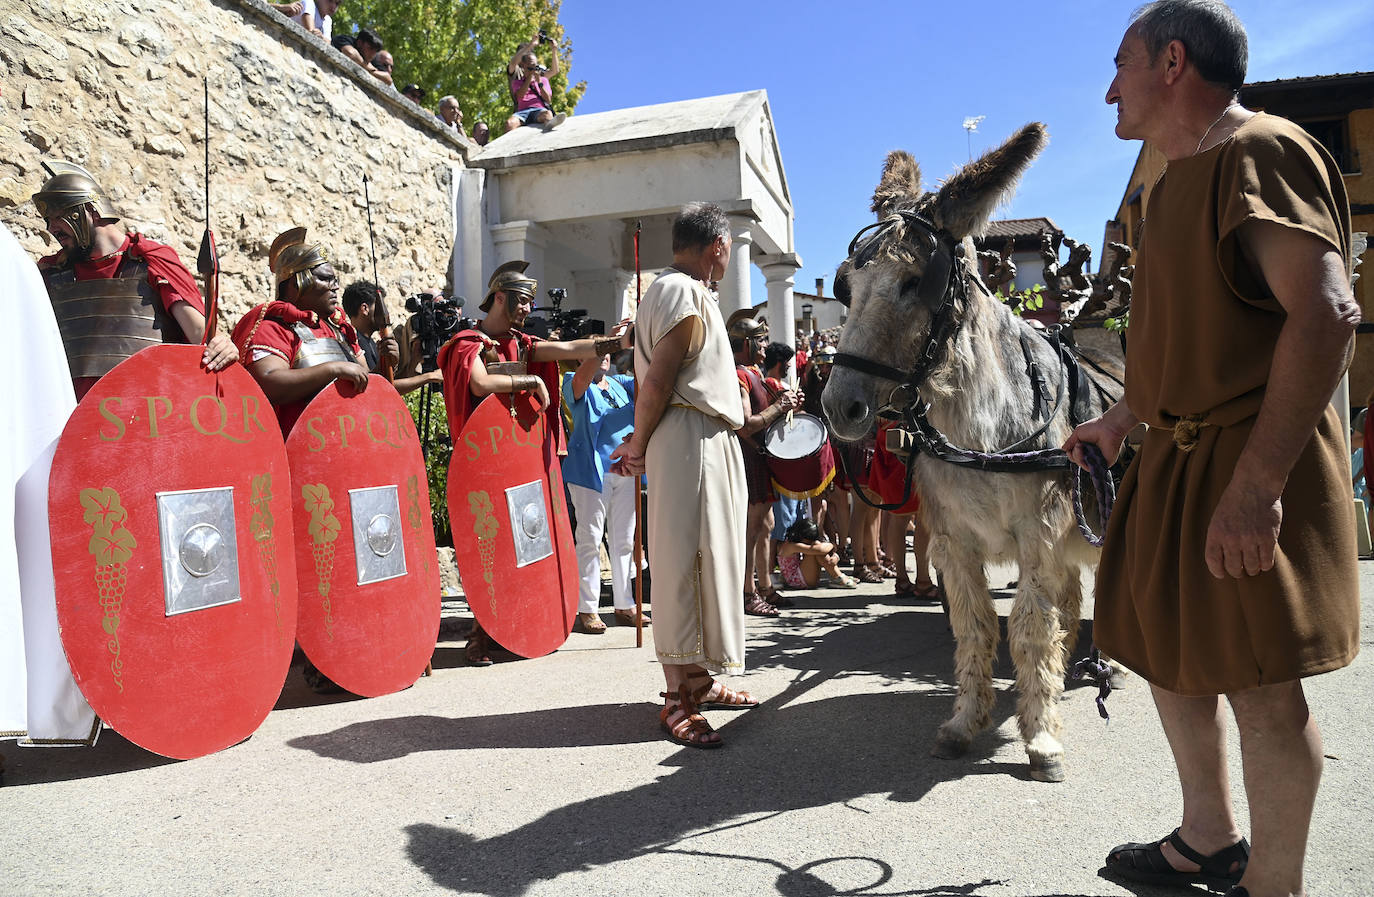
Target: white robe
[39, 700]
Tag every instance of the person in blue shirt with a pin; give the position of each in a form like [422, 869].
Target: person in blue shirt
[601, 407]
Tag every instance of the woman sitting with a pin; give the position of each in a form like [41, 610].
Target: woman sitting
[802, 556]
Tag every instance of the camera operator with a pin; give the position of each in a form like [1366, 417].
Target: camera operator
[529, 86]
[360, 301]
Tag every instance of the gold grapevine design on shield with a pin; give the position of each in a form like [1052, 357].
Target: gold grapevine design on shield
[112, 546]
[323, 529]
[485, 527]
[262, 526]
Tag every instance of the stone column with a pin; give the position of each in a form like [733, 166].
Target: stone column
[519, 240]
[734, 287]
[778, 272]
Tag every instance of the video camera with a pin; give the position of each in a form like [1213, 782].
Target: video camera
[561, 323]
[436, 320]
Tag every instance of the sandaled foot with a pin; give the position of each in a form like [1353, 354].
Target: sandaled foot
[776, 598]
[627, 618]
[929, 592]
[755, 606]
[868, 574]
[1147, 863]
[475, 653]
[903, 590]
[683, 724]
[714, 693]
[590, 624]
[844, 582]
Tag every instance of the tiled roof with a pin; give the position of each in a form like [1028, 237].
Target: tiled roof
[1021, 227]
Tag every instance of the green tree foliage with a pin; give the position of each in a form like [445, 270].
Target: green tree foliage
[440, 451]
[461, 48]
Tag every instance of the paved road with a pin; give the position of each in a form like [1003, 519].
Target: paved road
[550, 777]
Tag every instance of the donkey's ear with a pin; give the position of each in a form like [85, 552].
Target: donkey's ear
[967, 200]
[900, 184]
[840, 283]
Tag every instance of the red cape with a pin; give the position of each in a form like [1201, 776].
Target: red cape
[455, 361]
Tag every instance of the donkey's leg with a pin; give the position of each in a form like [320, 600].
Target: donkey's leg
[1037, 651]
[974, 621]
[1069, 600]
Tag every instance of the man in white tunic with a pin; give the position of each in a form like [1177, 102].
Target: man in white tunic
[39, 700]
[686, 413]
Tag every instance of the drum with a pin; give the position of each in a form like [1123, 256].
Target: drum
[799, 456]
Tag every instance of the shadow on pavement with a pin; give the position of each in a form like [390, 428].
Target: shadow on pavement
[112, 754]
[793, 752]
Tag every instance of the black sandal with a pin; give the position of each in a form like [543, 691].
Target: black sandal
[1147, 863]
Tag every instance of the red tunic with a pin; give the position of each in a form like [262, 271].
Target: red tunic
[455, 361]
[166, 274]
[756, 474]
[269, 328]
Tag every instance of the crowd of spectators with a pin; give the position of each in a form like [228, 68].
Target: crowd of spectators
[530, 90]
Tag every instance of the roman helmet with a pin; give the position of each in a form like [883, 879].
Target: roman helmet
[291, 256]
[66, 192]
[509, 278]
[742, 326]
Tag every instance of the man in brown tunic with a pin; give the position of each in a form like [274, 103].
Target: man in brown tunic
[1229, 566]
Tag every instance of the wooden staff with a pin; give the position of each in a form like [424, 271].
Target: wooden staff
[639, 517]
[207, 262]
[381, 317]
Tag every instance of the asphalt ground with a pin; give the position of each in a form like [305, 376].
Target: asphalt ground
[552, 777]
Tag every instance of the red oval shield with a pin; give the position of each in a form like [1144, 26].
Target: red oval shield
[367, 571]
[169, 507]
[511, 533]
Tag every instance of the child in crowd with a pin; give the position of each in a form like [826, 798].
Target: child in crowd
[802, 556]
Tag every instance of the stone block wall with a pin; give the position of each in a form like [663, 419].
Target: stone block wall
[117, 87]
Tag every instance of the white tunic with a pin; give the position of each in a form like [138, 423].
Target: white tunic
[697, 496]
[38, 697]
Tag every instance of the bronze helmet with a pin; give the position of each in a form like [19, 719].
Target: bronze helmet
[742, 326]
[509, 278]
[290, 256]
[66, 192]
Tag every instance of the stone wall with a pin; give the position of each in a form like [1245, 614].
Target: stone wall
[294, 125]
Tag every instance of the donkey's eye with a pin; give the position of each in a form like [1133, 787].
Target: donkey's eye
[910, 285]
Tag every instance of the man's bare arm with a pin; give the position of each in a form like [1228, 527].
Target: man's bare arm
[655, 391]
[1309, 279]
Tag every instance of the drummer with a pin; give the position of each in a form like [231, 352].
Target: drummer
[748, 338]
[830, 509]
[777, 358]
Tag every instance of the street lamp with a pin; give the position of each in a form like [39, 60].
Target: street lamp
[808, 325]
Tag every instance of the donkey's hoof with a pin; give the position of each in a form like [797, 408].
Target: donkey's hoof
[949, 747]
[1047, 769]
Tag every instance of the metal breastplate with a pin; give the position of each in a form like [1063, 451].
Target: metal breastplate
[107, 320]
[315, 349]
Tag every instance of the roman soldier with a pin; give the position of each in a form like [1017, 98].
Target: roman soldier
[302, 341]
[114, 292]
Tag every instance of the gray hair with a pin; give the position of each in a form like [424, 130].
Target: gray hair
[448, 99]
[1214, 37]
[698, 225]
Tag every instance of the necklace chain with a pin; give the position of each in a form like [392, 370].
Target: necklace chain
[1207, 132]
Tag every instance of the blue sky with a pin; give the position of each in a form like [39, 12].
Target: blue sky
[848, 81]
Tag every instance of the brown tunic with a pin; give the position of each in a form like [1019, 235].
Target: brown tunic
[1202, 337]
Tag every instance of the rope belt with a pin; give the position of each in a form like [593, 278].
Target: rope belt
[1187, 430]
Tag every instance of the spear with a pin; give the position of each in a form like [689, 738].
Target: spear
[639, 517]
[207, 262]
[381, 318]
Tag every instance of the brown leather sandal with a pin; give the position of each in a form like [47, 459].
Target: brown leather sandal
[687, 727]
[727, 697]
[755, 606]
[476, 652]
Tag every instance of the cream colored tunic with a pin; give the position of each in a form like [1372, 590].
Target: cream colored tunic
[697, 496]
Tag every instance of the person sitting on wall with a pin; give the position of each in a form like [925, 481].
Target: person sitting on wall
[300, 343]
[316, 16]
[381, 66]
[529, 86]
[363, 48]
[450, 114]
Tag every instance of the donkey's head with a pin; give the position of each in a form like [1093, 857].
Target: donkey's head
[890, 313]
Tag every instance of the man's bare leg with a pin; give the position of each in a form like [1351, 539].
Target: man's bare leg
[1193, 726]
[753, 530]
[1282, 752]
[674, 676]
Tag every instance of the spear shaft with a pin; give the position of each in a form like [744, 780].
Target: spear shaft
[381, 318]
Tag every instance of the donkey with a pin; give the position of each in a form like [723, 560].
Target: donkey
[980, 397]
